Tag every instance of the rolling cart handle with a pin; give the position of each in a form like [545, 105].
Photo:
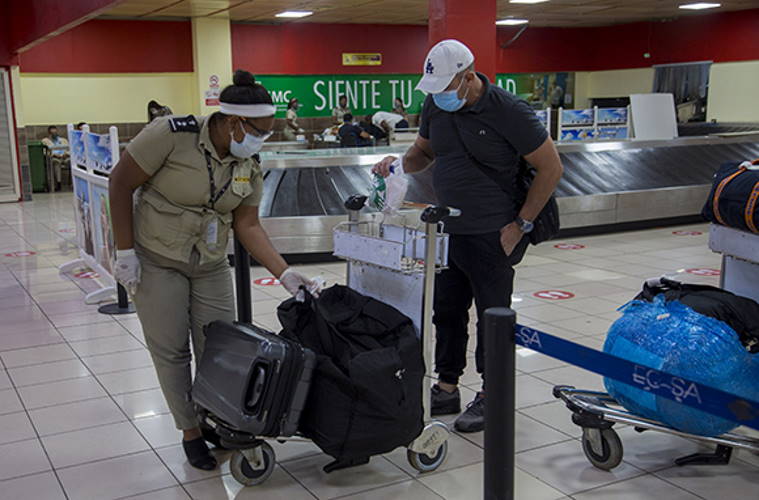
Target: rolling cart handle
[435, 214]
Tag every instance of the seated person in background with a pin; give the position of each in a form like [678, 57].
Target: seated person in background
[368, 126]
[389, 121]
[59, 152]
[79, 125]
[341, 110]
[352, 135]
[292, 129]
[398, 108]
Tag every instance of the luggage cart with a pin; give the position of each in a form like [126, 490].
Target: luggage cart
[597, 412]
[394, 263]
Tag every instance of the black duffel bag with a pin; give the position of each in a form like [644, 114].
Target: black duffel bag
[366, 389]
[740, 313]
[734, 198]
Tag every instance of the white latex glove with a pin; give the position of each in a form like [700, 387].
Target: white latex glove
[128, 269]
[397, 166]
[292, 280]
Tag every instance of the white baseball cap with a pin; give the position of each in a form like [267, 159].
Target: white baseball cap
[444, 61]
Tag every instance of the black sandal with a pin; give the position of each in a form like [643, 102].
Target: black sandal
[198, 454]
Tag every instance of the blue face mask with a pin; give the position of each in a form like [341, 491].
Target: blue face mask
[449, 100]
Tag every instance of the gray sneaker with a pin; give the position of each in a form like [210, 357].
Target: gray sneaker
[473, 418]
[444, 402]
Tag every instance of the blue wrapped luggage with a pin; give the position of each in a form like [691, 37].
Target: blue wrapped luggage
[672, 337]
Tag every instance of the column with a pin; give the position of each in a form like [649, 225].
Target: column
[212, 58]
[471, 22]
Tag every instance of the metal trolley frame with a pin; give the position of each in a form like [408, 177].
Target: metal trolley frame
[394, 263]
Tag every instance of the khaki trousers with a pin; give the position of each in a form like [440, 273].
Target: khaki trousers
[174, 300]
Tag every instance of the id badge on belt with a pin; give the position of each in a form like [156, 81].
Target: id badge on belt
[212, 233]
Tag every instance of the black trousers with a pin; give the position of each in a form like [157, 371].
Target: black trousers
[480, 270]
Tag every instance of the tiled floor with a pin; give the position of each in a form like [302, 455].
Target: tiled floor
[81, 416]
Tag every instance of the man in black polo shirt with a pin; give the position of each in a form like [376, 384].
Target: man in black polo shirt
[468, 125]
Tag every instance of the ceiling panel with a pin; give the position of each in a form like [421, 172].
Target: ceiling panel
[565, 13]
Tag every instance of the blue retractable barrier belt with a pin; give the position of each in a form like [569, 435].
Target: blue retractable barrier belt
[689, 393]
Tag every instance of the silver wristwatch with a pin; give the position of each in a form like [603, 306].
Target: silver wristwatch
[526, 226]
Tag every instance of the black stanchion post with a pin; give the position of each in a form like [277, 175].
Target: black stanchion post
[123, 306]
[242, 283]
[500, 374]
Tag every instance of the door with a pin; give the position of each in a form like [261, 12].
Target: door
[9, 182]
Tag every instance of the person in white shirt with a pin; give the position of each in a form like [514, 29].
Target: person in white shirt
[59, 153]
[389, 121]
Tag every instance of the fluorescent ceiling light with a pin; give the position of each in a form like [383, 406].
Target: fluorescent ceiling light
[511, 22]
[527, 1]
[295, 13]
[700, 5]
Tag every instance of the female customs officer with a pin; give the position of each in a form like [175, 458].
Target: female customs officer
[197, 178]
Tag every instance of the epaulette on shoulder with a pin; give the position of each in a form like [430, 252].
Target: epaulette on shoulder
[184, 124]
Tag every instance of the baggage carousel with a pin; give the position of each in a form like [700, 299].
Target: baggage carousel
[604, 184]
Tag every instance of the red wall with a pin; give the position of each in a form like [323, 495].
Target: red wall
[306, 48]
[5, 38]
[101, 46]
[730, 36]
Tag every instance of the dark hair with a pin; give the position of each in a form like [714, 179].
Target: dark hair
[291, 102]
[51, 127]
[342, 97]
[347, 117]
[80, 125]
[245, 90]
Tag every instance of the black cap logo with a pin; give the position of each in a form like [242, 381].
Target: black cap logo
[429, 69]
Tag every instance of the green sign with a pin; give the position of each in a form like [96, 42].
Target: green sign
[318, 94]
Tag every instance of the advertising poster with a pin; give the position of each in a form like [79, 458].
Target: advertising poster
[612, 133]
[318, 94]
[612, 115]
[83, 211]
[578, 134]
[99, 152]
[76, 141]
[577, 117]
[105, 250]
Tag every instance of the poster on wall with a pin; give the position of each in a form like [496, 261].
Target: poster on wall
[105, 250]
[83, 215]
[76, 142]
[99, 152]
[541, 90]
[362, 59]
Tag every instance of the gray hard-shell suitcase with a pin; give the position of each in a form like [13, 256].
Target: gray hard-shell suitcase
[253, 380]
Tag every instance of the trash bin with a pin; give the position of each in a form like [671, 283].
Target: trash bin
[38, 166]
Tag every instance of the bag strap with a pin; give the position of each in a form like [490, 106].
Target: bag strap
[480, 165]
[720, 188]
[751, 208]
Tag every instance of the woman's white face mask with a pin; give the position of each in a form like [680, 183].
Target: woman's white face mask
[250, 144]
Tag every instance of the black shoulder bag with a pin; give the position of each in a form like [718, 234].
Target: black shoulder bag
[546, 224]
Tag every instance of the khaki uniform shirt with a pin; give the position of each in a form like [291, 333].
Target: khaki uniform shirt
[338, 113]
[174, 212]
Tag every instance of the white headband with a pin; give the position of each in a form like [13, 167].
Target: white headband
[248, 110]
